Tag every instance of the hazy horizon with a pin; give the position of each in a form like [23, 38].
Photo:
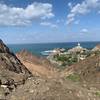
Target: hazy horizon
[54, 42]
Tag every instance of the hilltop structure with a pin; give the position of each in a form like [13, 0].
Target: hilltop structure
[76, 49]
[64, 57]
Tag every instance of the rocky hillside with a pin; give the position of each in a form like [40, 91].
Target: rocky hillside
[53, 89]
[12, 71]
[16, 83]
[77, 82]
[88, 70]
[39, 66]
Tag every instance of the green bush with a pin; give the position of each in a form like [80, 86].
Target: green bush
[62, 58]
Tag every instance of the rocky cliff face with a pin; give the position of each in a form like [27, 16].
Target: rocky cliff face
[12, 71]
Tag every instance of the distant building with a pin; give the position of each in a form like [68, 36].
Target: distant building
[76, 49]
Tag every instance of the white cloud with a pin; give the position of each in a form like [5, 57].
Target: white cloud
[49, 24]
[82, 8]
[84, 30]
[23, 16]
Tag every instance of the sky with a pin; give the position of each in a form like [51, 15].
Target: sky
[44, 21]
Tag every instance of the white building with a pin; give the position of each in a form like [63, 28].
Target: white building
[78, 48]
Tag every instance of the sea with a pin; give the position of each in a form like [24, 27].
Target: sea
[41, 49]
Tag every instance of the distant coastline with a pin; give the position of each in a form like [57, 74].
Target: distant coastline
[37, 48]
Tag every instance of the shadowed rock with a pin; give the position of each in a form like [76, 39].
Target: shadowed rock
[10, 66]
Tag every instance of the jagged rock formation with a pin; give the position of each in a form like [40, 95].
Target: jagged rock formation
[12, 71]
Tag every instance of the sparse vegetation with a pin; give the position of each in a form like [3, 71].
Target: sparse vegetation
[97, 52]
[61, 58]
[68, 59]
[74, 77]
[98, 93]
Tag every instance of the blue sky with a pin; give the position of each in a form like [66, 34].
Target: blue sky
[39, 21]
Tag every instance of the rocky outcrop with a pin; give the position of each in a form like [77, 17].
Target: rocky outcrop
[12, 71]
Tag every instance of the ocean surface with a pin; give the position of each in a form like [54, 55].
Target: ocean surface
[38, 49]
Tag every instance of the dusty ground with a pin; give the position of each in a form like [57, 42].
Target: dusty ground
[53, 89]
